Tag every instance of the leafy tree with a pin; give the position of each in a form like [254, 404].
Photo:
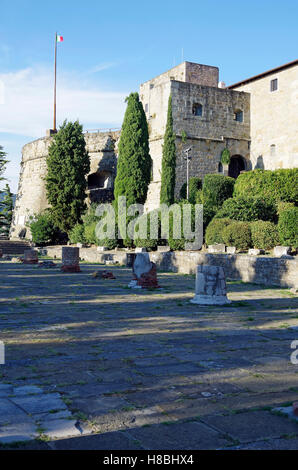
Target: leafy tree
[3, 162]
[68, 165]
[6, 208]
[134, 161]
[168, 165]
[42, 228]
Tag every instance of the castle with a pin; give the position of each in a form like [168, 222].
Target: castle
[256, 119]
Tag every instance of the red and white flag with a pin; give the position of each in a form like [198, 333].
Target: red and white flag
[59, 38]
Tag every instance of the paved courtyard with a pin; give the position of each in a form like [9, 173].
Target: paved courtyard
[91, 364]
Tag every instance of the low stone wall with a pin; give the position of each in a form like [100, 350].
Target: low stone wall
[260, 270]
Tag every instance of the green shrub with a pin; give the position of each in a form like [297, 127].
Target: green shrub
[278, 185]
[195, 185]
[89, 233]
[216, 189]
[248, 209]
[287, 227]
[43, 229]
[264, 235]
[238, 234]
[215, 230]
[76, 235]
[179, 244]
[225, 157]
[281, 206]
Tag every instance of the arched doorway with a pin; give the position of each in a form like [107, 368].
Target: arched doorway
[236, 166]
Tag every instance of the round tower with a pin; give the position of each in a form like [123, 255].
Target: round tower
[31, 198]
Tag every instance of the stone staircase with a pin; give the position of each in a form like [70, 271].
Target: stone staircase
[10, 247]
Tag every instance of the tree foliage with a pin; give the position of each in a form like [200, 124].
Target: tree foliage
[168, 165]
[279, 185]
[68, 165]
[6, 210]
[134, 161]
[3, 162]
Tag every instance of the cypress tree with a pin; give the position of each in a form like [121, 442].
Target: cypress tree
[6, 208]
[168, 165]
[134, 161]
[3, 162]
[66, 183]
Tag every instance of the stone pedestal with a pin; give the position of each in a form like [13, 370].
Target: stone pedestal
[144, 273]
[210, 286]
[70, 259]
[280, 251]
[218, 248]
[30, 257]
[140, 249]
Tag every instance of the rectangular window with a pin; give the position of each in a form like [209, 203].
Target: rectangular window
[274, 85]
[238, 116]
[146, 108]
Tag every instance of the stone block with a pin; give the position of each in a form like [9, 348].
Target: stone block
[30, 257]
[163, 249]
[218, 248]
[231, 250]
[144, 272]
[255, 252]
[70, 259]
[102, 248]
[210, 286]
[140, 249]
[281, 251]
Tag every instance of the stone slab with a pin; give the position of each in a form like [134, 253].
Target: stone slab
[60, 428]
[252, 425]
[40, 403]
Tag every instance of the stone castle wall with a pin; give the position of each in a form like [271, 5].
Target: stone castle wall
[274, 120]
[31, 198]
[207, 135]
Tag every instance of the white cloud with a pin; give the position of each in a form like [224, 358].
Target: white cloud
[27, 102]
[26, 107]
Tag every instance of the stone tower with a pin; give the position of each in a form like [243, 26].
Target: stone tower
[31, 197]
[211, 117]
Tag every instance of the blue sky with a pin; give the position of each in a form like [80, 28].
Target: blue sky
[110, 48]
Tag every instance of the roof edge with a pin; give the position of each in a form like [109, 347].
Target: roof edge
[264, 74]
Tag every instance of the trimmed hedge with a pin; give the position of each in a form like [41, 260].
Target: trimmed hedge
[264, 235]
[248, 209]
[238, 234]
[215, 230]
[278, 185]
[216, 189]
[76, 235]
[195, 184]
[288, 227]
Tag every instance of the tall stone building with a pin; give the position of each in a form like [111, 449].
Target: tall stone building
[256, 119]
[212, 118]
[274, 117]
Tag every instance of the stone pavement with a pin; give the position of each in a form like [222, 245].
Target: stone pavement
[91, 364]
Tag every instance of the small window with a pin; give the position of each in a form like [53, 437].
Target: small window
[272, 150]
[274, 85]
[146, 108]
[197, 109]
[238, 116]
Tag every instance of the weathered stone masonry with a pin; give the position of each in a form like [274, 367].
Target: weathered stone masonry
[31, 198]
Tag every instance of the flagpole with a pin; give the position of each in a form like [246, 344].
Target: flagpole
[55, 81]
